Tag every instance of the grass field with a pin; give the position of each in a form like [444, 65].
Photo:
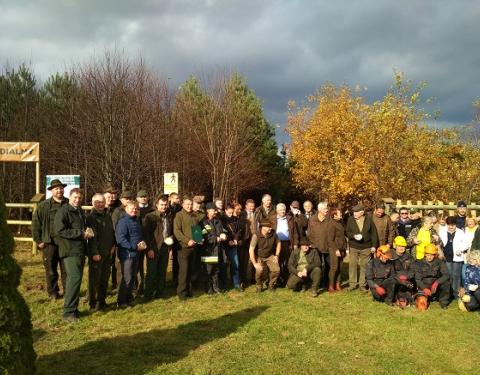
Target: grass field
[247, 333]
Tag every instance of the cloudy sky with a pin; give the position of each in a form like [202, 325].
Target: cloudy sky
[285, 48]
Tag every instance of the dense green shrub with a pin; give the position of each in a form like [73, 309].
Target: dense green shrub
[16, 344]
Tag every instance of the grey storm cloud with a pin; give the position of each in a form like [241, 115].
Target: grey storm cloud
[285, 49]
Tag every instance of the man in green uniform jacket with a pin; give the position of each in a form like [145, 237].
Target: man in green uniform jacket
[71, 235]
[42, 229]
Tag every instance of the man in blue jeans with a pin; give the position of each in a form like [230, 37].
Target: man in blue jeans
[128, 233]
[235, 235]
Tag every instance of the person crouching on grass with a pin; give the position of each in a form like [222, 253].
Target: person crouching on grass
[128, 233]
[304, 265]
[379, 274]
[471, 298]
[403, 264]
[432, 278]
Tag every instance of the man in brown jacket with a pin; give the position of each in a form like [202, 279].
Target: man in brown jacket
[383, 224]
[318, 230]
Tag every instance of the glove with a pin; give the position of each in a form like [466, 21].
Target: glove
[408, 284]
[434, 287]
[358, 237]
[472, 287]
[427, 292]
[466, 298]
[380, 291]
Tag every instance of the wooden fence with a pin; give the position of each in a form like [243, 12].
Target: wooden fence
[31, 207]
[449, 208]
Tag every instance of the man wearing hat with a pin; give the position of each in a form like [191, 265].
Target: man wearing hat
[461, 214]
[363, 241]
[43, 235]
[300, 220]
[380, 275]
[268, 250]
[304, 266]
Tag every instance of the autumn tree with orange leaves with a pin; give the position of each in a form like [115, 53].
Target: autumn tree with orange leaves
[347, 150]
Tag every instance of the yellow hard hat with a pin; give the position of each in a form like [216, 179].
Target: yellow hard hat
[431, 249]
[399, 241]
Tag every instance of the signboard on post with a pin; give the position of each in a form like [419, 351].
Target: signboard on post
[170, 182]
[72, 181]
[20, 151]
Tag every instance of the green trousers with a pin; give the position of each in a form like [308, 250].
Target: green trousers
[74, 269]
[156, 273]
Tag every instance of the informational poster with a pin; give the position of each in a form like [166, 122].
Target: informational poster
[170, 183]
[72, 181]
[20, 151]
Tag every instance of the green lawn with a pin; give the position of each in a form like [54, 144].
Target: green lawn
[247, 333]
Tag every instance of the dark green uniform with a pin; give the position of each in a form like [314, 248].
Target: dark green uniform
[182, 228]
[42, 229]
[101, 244]
[427, 273]
[69, 229]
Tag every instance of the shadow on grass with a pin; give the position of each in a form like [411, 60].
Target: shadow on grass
[144, 351]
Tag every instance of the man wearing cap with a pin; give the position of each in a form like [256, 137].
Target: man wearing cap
[363, 241]
[43, 235]
[72, 233]
[268, 250]
[184, 222]
[100, 250]
[461, 215]
[383, 224]
[304, 266]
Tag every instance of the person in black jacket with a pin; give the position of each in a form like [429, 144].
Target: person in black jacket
[304, 265]
[380, 275]
[403, 263]
[235, 234]
[214, 240]
[363, 240]
[432, 277]
[100, 250]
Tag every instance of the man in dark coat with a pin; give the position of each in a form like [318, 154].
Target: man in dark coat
[380, 276]
[304, 266]
[71, 234]
[43, 235]
[363, 241]
[100, 250]
[158, 234]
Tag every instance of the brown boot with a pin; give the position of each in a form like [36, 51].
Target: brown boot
[338, 286]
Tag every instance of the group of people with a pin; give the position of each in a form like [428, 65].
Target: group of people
[216, 246]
